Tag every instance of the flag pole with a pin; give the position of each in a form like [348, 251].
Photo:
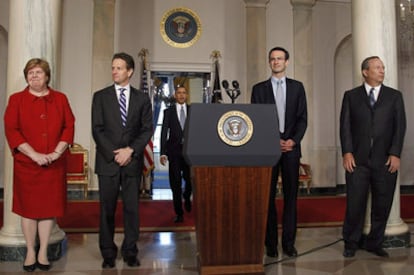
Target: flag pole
[216, 97]
[146, 181]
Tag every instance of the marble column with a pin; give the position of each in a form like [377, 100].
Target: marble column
[257, 68]
[34, 31]
[303, 64]
[102, 52]
[371, 37]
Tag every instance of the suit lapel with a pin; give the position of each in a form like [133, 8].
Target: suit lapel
[175, 118]
[382, 96]
[362, 94]
[114, 104]
[269, 92]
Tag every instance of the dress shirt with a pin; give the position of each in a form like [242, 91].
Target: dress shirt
[126, 92]
[376, 90]
[178, 109]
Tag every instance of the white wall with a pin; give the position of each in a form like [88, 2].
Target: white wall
[76, 64]
[331, 25]
[4, 13]
[279, 30]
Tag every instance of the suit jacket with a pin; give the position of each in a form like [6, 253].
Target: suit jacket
[172, 136]
[296, 111]
[372, 133]
[109, 134]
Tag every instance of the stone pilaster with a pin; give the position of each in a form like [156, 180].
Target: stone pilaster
[102, 52]
[303, 64]
[255, 43]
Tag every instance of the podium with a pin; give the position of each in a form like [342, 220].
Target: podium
[231, 149]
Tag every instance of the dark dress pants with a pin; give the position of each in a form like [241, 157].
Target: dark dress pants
[178, 170]
[381, 183]
[109, 187]
[289, 167]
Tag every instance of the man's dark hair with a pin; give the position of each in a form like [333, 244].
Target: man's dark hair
[130, 64]
[365, 63]
[280, 49]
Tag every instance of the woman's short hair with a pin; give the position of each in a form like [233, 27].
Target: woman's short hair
[37, 62]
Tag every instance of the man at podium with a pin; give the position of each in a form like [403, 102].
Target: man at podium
[288, 95]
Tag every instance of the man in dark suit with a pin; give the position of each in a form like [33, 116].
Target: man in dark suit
[289, 97]
[372, 129]
[121, 127]
[172, 138]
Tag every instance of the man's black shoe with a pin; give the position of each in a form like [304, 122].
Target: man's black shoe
[291, 251]
[132, 261]
[187, 205]
[272, 253]
[108, 263]
[348, 252]
[179, 218]
[379, 252]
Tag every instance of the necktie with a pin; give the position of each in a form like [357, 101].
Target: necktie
[280, 104]
[182, 117]
[371, 97]
[122, 106]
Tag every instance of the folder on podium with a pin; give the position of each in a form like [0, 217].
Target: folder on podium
[231, 149]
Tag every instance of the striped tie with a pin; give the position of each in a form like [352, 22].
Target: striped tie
[122, 106]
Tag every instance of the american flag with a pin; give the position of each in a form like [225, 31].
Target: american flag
[217, 98]
[149, 148]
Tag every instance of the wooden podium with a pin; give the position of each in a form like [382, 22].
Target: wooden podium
[231, 184]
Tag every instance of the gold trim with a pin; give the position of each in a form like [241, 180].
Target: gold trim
[238, 138]
[167, 38]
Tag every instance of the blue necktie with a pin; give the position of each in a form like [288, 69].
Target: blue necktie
[371, 97]
[280, 104]
[182, 117]
[122, 106]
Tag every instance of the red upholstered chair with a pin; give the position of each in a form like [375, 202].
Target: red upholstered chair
[305, 178]
[77, 167]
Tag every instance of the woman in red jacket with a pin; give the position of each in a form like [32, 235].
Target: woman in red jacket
[39, 126]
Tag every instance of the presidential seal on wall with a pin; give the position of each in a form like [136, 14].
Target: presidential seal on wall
[235, 128]
[180, 27]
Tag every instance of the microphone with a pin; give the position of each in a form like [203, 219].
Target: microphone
[225, 84]
[235, 84]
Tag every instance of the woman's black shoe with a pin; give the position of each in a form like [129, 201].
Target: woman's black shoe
[44, 267]
[29, 268]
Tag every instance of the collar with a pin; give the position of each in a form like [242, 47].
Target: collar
[368, 88]
[275, 80]
[49, 97]
[127, 87]
[179, 105]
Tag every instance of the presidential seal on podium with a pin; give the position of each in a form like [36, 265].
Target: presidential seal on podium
[235, 128]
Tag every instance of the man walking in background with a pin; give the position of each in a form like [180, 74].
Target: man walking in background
[172, 140]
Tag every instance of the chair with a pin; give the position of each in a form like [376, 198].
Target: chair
[77, 167]
[305, 178]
